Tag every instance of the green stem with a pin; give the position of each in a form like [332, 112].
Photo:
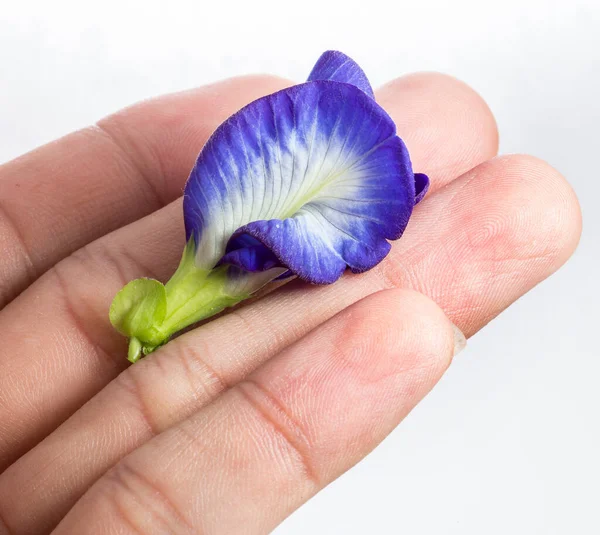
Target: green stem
[192, 295]
[134, 352]
[209, 299]
[150, 313]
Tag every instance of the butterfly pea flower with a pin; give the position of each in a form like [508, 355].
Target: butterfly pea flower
[306, 182]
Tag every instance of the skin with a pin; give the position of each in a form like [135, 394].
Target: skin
[232, 426]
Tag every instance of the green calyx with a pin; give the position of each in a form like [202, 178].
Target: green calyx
[149, 313]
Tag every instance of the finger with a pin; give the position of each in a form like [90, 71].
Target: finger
[72, 344]
[247, 461]
[69, 192]
[515, 221]
[448, 128]
[62, 196]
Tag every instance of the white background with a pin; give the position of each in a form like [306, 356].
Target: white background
[509, 441]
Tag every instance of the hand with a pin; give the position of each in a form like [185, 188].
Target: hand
[235, 424]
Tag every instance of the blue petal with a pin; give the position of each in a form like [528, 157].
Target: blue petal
[315, 173]
[338, 67]
[421, 186]
[248, 253]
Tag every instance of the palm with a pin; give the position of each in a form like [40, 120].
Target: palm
[233, 425]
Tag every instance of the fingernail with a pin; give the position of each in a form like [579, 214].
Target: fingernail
[460, 341]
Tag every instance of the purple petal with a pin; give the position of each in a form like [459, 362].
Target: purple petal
[249, 254]
[338, 67]
[421, 186]
[315, 173]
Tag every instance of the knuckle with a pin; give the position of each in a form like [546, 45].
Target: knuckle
[290, 440]
[4, 529]
[132, 157]
[246, 323]
[185, 366]
[141, 502]
[16, 256]
[77, 310]
[102, 257]
[204, 382]
[130, 386]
